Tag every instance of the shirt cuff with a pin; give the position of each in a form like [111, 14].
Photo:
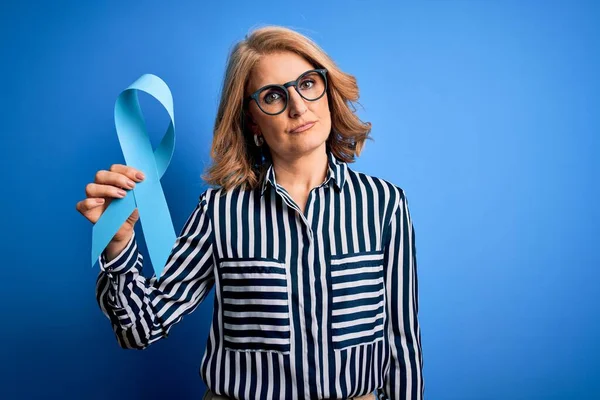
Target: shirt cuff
[124, 261]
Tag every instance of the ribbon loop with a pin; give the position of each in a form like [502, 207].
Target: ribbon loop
[147, 195]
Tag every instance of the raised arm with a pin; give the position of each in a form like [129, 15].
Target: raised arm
[404, 378]
[141, 310]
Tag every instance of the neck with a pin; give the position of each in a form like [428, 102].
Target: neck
[301, 173]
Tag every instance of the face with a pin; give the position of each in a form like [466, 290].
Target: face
[279, 68]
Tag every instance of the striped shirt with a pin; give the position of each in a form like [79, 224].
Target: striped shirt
[320, 304]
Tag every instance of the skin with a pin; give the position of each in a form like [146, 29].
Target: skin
[299, 159]
[99, 194]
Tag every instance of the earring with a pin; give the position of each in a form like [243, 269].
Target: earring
[258, 140]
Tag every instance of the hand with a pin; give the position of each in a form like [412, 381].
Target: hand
[106, 186]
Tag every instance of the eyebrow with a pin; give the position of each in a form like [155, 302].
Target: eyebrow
[269, 84]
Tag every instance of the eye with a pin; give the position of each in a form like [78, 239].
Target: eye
[307, 83]
[272, 95]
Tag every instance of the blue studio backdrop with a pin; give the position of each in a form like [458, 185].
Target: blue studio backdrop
[484, 112]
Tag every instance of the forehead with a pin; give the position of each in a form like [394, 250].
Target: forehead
[277, 68]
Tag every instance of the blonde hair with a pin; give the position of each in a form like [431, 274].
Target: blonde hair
[237, 162]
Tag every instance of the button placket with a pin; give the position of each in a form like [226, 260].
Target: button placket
[290, 202]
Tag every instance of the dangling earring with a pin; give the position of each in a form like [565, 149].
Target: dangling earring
[258, 140]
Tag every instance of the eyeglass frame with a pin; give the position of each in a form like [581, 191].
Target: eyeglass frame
[254, 96]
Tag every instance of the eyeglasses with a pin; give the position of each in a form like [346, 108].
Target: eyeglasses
[273, 99]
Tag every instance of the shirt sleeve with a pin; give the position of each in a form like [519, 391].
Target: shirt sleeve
[404, 377]
[141, 310]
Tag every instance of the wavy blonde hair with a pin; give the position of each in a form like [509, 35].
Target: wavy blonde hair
[236, 161]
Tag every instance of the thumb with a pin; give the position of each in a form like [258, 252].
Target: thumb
[135, 215]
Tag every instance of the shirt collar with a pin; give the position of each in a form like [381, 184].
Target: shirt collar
[337, 172]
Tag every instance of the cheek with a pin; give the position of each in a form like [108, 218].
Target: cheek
[323, 112]
[274, 125]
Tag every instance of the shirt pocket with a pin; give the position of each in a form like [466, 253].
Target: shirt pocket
[256, 312]
[357, 299]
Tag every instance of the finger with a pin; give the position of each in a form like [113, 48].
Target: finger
[93, 190]
[130, 172]
[85, 205]
[134, 216]
[114, 178]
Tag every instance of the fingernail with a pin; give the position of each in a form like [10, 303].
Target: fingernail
[121, 192]
[99, 201]
[130, 184]
[139, 175]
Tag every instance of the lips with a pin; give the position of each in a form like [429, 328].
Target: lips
[302, 128]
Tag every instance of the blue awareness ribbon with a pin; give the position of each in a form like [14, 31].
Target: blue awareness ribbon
[148, 194]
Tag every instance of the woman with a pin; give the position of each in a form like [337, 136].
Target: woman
[313, 263]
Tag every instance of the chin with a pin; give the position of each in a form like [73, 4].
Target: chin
[306, 142]
[310, 146]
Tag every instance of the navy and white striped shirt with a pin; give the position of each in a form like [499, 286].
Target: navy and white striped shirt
[320, 304]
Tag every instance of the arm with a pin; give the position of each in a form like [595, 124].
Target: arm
[404, 377]
[142, 310]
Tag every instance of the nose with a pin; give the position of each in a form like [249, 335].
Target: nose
[296, 103]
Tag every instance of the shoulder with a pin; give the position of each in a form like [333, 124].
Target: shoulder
[380, 186]
[390, 197]
[207, 197]
[217, 194]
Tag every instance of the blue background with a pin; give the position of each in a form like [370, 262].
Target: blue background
[485, 112]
